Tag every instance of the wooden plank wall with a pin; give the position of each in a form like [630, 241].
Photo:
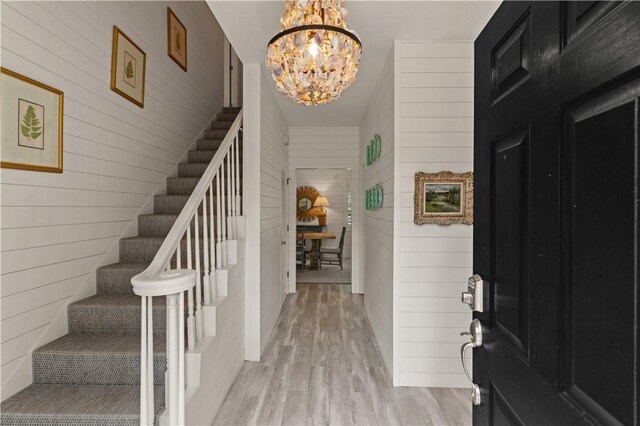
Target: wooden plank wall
[378, 231]
[273, 161]
[434, 102]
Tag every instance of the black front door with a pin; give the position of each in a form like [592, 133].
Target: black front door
[556, 213]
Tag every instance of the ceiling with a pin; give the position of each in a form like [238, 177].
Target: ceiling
[250, 24]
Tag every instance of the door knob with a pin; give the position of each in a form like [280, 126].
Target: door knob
[475, 337]
[474, 294]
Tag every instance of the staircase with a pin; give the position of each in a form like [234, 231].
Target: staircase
[91, 376]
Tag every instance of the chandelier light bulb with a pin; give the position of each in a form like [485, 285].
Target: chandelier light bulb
[315, 57]
[313, 48]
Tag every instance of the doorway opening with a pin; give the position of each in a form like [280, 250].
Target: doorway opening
[324, 221]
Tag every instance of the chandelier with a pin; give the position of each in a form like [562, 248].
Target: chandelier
[315, 57]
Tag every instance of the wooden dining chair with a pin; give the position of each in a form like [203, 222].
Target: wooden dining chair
[333, 256]
[301, 252]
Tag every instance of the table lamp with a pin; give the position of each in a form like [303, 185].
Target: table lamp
[321, 202]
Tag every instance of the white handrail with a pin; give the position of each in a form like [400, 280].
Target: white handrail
[170, 244]
[200, 285]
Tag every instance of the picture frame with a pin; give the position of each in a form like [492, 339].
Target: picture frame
[128, 67]
[443, 198]
[176, 39]
[31, 117]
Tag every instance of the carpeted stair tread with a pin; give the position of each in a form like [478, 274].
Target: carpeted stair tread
[225, 116]
[195, 169]
[161, 224]
[184, 185]
[144, 248]
[208, 144]
[114, 313]
[116, 277]
[60, 404]
[215, 134]
[222, 124]
[96, 342]
[202, 156]
[101, 359]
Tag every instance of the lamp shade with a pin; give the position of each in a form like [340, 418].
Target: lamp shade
[321, 201]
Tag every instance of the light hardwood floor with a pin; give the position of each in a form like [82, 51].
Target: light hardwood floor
[322, 366]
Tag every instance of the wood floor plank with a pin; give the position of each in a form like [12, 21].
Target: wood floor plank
[322, 366]
[276, 394]
[318, 402]
[295, 409]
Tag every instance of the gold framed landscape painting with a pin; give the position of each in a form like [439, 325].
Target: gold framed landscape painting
[443, 198]
[176, 39]
[128, 63]
[31, 123]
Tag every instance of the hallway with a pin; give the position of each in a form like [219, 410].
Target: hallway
[322, 366]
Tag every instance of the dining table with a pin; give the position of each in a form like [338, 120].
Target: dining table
[316, 242]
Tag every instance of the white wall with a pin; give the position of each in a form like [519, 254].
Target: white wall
[329, 147]
[333, 184]
[434, 113]
[273, 161]
[221, 361]
[58, 228]
[378, 229]
[251, 206]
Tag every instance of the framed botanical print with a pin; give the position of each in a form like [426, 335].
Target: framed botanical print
[128, 63]
[31, 124]
[443, 198]
[176, 39]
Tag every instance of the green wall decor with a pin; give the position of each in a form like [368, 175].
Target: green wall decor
[374, 197]
[374, 149]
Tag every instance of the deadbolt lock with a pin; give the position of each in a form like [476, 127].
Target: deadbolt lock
[474, 294]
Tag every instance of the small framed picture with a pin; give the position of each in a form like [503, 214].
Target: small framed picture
[176, 39]
[128, 63]
[443, 198]
[31, 124]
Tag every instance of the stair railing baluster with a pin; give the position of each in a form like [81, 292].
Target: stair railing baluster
[212, 252]
[205, 242]
[191, 321]
[233, 188]
[159, 279]
[199, 323]
[228, 197]
[144, 367]
[218, 220]
[223, 219]
[173, 354]
[181, 369]
[238, 200]
[150, 373]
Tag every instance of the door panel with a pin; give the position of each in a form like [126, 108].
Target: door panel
[580, 16]
[509, 296]
[510, 58]
[601, 186]
[556, 213]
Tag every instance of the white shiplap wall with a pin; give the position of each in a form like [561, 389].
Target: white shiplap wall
[333, 184]
[273, 161]
[330, 148]
[434, 90]
[378, 224]
[58, 228]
